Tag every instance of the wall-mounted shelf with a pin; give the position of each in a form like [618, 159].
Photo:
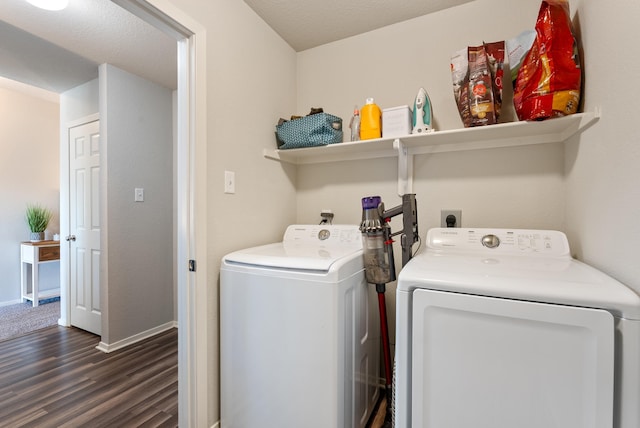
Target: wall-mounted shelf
[511, 134]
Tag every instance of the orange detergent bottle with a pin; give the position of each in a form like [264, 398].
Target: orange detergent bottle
[370, 121]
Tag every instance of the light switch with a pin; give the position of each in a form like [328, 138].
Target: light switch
[229, 182]
[139, 194]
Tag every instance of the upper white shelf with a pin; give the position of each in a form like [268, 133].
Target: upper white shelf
[483, 137]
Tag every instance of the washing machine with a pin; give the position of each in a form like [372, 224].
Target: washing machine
[500, 328]
[299, 337]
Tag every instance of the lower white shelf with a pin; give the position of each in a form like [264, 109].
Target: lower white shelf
[43, 294]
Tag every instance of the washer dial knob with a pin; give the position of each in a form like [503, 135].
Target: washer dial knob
[324, 234]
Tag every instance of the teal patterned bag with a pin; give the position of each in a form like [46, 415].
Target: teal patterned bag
[310, 131]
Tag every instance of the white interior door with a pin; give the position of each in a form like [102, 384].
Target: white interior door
[84, 227]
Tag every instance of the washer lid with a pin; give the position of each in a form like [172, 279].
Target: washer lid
[304, 247]
[522, 275]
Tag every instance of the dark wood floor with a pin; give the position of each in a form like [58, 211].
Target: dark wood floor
[56, 378]
[379, 415]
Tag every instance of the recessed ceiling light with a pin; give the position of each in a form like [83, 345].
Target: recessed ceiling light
[50, 4]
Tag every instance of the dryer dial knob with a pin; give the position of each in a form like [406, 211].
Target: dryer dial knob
[490, 241]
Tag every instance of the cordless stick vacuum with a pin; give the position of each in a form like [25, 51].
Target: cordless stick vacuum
[379, 264]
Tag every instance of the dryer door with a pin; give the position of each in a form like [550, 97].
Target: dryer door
[495, 363]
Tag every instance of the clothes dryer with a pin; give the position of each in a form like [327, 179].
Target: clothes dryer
[501, 328]
[299, 340]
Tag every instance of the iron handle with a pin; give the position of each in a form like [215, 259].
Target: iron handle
[71, 238]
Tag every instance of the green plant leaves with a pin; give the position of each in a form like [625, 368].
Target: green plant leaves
[38, 217]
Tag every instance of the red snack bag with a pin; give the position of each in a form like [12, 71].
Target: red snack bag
[481, 101]
[460, 78]
[549, 80]
[495, 59]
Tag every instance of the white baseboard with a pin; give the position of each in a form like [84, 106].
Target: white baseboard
[110, 347]
[10, 302]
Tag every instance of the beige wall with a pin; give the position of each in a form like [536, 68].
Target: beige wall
[392, 63]
[136, 237]
[28, 174]
[386, 64]
[602, 167]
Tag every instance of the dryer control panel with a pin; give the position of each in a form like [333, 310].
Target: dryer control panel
[499, 241]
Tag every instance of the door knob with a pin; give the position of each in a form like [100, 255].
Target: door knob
[71, 238]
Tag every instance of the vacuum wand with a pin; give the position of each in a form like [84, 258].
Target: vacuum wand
[379, 263]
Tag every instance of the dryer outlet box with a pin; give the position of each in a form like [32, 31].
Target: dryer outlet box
[452, 222]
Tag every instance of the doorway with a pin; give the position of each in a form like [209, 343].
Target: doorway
[193, 391]
[191, 207]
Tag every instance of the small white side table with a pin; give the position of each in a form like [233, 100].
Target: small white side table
[35, 253]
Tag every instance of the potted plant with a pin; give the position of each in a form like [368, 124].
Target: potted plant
[38, 218]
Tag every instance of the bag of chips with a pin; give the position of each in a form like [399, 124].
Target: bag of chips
[549, 80]
[477, 74]
[495, 56]
[460, 78]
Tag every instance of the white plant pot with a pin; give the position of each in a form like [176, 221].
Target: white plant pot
[37, 236]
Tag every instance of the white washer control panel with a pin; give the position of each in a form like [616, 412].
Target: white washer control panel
[347, 235]
[499, 241]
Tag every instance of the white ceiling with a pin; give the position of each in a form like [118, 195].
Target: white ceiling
[57, 51]
[305, 24]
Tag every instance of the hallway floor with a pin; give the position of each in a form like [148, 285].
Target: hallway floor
[55, 377]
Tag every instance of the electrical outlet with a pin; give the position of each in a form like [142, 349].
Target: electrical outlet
[456, 221]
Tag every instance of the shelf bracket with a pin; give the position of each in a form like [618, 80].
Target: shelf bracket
[405, 168]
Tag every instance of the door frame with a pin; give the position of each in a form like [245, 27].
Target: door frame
[193, 296]
[194, 394]
[65, 219]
